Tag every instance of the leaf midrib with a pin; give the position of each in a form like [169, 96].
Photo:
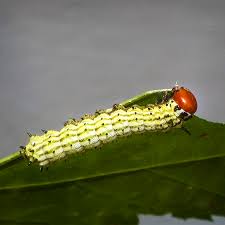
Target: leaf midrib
[67, 181]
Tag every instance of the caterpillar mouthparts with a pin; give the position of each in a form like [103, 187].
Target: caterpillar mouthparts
[106, 125]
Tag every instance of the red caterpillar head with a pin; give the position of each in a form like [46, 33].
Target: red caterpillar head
[185, 99]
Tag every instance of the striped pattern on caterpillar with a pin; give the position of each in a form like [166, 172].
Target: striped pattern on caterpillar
[106, 125]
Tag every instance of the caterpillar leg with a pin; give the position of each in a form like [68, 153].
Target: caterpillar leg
[42, 168]
[186, 130]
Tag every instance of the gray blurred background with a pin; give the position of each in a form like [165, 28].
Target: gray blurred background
[60, 59]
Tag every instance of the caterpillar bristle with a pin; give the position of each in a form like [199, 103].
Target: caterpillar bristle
[29, 163]
[22, 147]
[29, 134]
[99, 111]
[85, 116]
[118, 106]
[41, 168]
[72, 121]
[115, 106]
[44, 131]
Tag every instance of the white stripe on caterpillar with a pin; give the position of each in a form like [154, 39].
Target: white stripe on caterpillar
[106, 125]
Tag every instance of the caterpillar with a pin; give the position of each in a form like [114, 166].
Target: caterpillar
[106, 125]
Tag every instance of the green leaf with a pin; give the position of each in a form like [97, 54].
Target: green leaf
[150, 173]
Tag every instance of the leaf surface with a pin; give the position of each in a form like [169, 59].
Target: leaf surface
[149, 173]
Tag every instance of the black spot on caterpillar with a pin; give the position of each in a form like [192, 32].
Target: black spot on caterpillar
[102, 127]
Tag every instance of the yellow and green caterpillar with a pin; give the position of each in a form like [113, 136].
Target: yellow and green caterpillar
[102, 127]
